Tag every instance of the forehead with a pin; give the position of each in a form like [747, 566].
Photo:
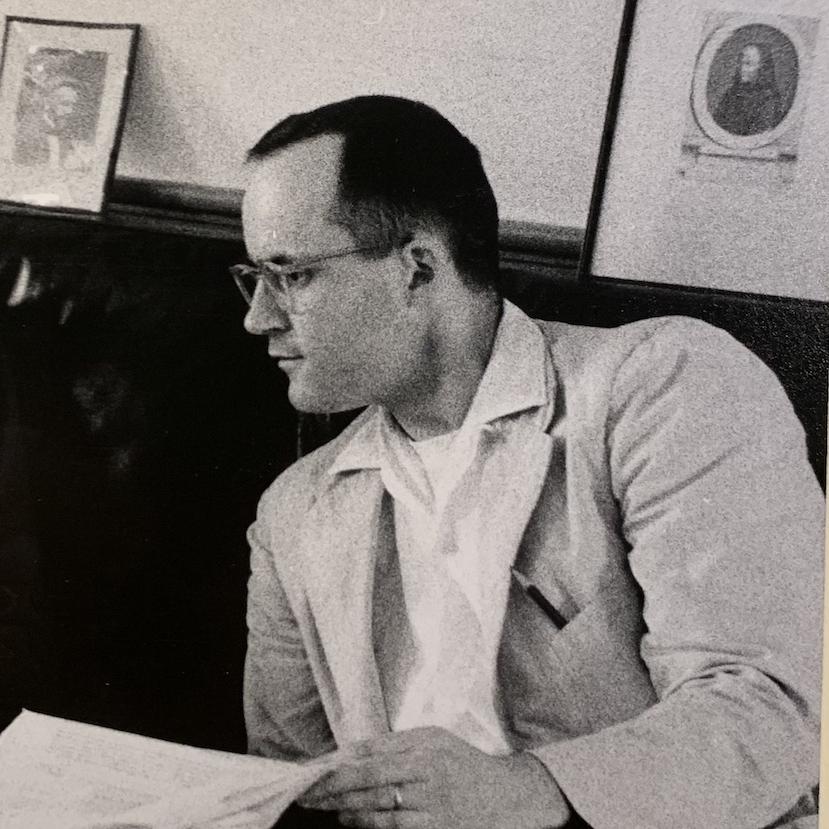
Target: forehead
[66, 94]
[290, 195]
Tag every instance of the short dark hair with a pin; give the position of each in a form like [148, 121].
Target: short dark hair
[58, 81]
[403, 166]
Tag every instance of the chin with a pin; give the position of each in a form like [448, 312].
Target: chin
[316, 401]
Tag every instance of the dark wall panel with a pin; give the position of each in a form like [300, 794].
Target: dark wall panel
[138, 425]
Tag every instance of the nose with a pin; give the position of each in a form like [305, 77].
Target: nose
[264, 314]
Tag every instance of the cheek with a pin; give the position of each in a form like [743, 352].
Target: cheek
[350, 327]
[323, 336]
[335, 354]
[351, 342]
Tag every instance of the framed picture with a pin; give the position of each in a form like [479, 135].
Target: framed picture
[63, 91]
[714, 166]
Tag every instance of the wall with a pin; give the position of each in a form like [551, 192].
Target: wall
[526, 80]
[739, 223]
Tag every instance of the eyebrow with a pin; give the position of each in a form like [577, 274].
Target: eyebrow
[277, 259]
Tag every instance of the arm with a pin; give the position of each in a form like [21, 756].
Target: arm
[283, 712]
[725, 522]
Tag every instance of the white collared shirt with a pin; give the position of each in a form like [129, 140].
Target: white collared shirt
[454, 599]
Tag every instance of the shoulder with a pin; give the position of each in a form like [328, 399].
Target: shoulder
[584, 350]
[686, 360]
[296, 487]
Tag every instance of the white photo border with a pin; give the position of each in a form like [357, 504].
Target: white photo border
[51, 185]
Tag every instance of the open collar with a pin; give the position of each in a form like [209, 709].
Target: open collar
[517, 379]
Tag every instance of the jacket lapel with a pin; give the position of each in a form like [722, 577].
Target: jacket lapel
[339, 543]
[508, 490]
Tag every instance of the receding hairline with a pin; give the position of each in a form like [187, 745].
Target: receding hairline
[338, 209]
[253, 158]
[253, 162]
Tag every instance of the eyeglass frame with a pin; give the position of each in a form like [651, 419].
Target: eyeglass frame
[279, 271]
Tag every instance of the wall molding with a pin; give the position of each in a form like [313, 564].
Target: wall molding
[215, 212]
[174, 207]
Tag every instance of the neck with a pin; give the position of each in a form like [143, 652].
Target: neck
[454, 360]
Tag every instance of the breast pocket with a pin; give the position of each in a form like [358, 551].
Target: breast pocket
[576, 680]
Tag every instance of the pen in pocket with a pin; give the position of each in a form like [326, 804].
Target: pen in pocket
[539, 598]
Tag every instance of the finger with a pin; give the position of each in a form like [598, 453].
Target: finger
[402, 819]
[413, 796]
[372, 774]
[364, 800]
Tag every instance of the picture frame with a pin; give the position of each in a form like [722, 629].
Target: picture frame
[713, 164]
[63, 92]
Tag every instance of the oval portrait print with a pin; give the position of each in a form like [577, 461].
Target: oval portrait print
[746, 84]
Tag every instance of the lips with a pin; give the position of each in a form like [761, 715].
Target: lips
[286, 361]
[283, 355]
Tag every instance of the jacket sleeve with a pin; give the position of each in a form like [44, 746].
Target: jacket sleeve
[284, 715]
[724, 519]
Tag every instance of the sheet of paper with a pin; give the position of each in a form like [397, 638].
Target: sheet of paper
[59, 774]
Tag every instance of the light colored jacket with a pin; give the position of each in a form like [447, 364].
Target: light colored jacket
[669, 513]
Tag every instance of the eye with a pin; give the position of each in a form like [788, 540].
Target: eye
[298, 279]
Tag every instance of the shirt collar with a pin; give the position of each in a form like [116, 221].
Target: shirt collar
[515, 380]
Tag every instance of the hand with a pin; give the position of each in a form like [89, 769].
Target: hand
[442, 783]
[80, 157]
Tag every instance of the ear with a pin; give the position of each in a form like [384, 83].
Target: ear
[421, 258]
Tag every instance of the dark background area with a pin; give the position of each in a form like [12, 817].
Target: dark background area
[139, 424]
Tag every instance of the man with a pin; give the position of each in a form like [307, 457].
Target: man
[650, 481]
[752, 104]
[55, 137]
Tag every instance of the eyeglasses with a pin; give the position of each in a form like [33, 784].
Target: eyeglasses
[285, 281]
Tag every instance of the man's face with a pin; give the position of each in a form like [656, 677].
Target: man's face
[352, 343]
[59, 108]
[750, 59]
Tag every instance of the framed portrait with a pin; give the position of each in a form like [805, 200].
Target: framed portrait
[714, 168]
[63, 93]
